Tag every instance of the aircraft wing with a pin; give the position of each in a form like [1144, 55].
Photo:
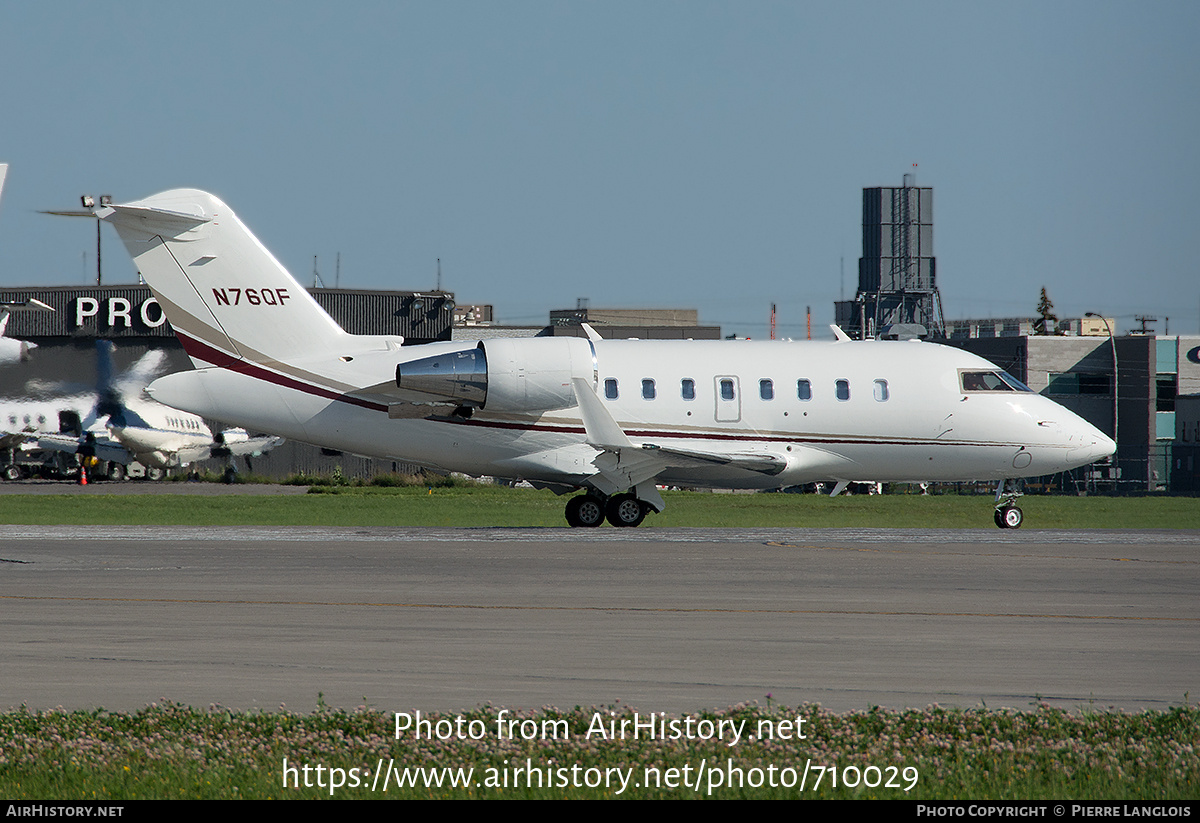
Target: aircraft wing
[103, 447]
[764, 462]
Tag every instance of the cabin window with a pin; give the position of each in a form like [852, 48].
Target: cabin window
[804, 389]
[610, 388]
[843, 389]
[687, 388]
[726, 389]
[881, 390]
[648, 391]
[766, 389]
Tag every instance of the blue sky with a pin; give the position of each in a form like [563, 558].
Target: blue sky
[639, 154]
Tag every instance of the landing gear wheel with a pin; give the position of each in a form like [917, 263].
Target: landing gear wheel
[116, 472]
[12, 472]
[1009, 517]
[626, 510]
[585, 511]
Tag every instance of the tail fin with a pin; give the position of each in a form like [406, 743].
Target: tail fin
[225, 295]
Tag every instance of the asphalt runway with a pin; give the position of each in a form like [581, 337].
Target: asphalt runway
[662, 620]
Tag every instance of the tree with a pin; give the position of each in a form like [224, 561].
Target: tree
[1048, 320]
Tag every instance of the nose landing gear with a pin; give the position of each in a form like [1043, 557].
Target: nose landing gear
[1008, 515]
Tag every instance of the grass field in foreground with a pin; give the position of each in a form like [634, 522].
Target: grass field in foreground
[483, 506]
[171, 751]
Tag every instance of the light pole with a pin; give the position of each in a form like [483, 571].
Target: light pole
[88, 210]
[1116, 373]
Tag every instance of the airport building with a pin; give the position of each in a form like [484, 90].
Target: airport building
[615, 324]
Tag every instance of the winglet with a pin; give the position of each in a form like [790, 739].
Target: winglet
[591, 333]
[838, 333]
[602, 430]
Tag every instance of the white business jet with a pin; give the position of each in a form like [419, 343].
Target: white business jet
[15, 351]
[610, 417]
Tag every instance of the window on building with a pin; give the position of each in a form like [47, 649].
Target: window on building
[648, 390]
[1168, 387]
[843, 389]
[766, 389]
[1077, 383]
[610, 388]
[804, 389]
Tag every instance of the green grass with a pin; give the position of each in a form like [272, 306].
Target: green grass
[483, 506]
[172, 751]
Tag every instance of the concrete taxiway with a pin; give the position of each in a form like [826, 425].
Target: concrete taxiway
[670, 620]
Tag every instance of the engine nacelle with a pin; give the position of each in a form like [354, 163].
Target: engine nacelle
[530, 374]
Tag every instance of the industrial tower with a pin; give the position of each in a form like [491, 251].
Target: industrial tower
[897, 274]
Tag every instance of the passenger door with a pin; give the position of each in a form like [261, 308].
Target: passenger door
[729, 399]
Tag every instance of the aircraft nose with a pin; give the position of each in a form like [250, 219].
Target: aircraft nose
[1093, 445]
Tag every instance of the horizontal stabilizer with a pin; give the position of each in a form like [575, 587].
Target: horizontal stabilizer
[153, 220]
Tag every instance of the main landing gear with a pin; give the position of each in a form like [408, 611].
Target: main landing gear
[589, 510]
[1008, 515]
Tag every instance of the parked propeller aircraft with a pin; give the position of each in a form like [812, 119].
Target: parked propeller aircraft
[611, 417]
[116, 425]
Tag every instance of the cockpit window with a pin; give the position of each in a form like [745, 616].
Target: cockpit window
[973, 381]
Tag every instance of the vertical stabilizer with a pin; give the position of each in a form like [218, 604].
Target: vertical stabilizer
[227, 297]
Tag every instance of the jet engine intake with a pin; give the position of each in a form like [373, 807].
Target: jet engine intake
[504, 375]
[459, 377]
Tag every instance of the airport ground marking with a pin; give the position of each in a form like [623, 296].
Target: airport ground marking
[784, 545]
[611, 609]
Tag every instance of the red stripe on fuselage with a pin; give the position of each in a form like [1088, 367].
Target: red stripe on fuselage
[202, 351]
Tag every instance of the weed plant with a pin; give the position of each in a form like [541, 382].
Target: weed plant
[172, 751]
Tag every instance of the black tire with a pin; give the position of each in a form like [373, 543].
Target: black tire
[585, 511]
[12, 472]
[116, 472]
[626, 510]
